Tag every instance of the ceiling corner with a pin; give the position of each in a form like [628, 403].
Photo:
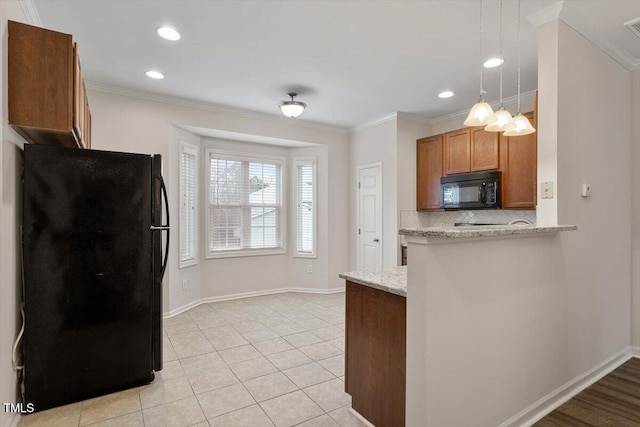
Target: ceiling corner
[31, 12]
[547, 14]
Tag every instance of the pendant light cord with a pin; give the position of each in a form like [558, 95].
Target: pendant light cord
[519, 57]
[501, 56]
[480, 62]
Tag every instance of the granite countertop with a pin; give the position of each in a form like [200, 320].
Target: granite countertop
[392, 280]
[484, 230]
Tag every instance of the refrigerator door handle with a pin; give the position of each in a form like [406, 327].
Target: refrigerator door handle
[165, 228]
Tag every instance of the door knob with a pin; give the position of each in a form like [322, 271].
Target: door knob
[376, 240]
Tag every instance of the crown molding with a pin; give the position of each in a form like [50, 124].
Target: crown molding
[411, 117]
[495, 104]
[208, 106]
[622, 57]
[548, 14]
[553, 12]
[31, 12]
[375, 122]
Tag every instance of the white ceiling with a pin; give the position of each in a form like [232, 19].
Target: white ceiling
[351, 61]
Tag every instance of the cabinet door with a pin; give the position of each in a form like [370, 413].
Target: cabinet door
[429, 172]
[457, 152]
[519, 169]
[484, 150]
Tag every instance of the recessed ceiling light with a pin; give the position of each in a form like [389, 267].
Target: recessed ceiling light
[168, 33]
[155, 75]
[493, 62]
[445, 94]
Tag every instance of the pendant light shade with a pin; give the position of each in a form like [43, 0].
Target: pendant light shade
[521, 126]
[292, 108]
[481, 113]
[503, 121]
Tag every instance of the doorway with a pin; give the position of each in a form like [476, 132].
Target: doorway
[369, 217]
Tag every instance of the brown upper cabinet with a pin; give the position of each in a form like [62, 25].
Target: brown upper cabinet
[457, 152]
[484, 150]
[46, 95]
[470, 150]
[519, 165]
[429, 167]
[474, 149]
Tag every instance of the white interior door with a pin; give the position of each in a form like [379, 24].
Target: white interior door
[370, 217]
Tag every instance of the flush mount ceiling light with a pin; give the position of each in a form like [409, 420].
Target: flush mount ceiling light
[155, 74]
[503, 120]
[481, 113]
[521, 125]
[493, 62]
[445, 94]
[168, 33]
[292, 108]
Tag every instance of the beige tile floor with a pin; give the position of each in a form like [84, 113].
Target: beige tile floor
[275, 360]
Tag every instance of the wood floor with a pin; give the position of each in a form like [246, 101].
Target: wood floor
[612, 401]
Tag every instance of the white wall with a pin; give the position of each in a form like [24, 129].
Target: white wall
[635, 209]
[10, 219]
[554, 307]
[548, 63]
[594, 147]
[137, 125]
[480, 348]
[408, 132]
[371, 145]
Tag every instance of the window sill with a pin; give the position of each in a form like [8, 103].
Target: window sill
[186, 264]
[237, 254]
[299, 255]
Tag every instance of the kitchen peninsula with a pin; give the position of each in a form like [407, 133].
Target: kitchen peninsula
[458, 325]
[482, 306]
[375, 353]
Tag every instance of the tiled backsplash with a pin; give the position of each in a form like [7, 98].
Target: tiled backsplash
[414, 219]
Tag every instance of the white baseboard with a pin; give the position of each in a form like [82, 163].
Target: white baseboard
[197, 302]
[361, 418]
[635, 351]
[551, 401]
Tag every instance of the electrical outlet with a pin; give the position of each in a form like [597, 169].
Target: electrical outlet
[546, 190]
[185, 284]
[309, 269]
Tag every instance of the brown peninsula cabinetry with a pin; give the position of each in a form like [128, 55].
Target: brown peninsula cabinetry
[46, 94]
[473, 150]
[375, 354]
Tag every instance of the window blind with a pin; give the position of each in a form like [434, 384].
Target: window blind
[188, 208]
[305, 207]
[245, 204]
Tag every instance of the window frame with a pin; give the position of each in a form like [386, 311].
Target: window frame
[245, 157]
[189, 149]
[305, 161]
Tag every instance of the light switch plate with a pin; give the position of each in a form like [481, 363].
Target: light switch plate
[546, 190]
[586, 190]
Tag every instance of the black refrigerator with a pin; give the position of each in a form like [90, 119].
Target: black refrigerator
[93, 232]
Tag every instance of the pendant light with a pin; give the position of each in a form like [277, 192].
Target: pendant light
[292, 108]
[521, 125]
[481, 113]
[503, 120]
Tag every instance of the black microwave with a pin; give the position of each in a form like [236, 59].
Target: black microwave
[479, 190]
